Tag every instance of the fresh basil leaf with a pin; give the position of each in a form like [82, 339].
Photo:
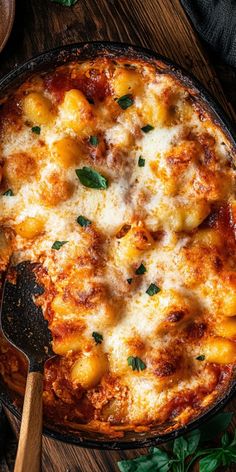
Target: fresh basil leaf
[192, 440]
[84, 222]
[58, 244]
[153, 289]
[147, 128]
[129, 281]
[136, 363]
[36, 129]
[156, 460]
[125, 102]
[94, 140]
[210, 463]
[180, 448]
[141, 270]
[98, 338]
[141, 161]
[8, 193]
[225, 440]
[91, 178]
[201, 357]
[233, 443]
[230, 453]
[215, 426]
[66, 3]
[184, 447]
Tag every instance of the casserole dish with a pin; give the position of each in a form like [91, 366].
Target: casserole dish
[92, 51]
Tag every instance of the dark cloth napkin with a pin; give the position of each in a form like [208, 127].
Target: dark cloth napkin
[215, 21]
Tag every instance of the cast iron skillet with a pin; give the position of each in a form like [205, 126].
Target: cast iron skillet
[84, 51]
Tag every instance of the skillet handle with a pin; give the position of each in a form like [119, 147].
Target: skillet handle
[28, 458]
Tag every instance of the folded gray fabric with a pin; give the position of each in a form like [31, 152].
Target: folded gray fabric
[215, 21]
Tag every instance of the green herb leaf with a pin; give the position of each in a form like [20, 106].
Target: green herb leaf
[98, 338]
[129, 281]
[94, 140]
[36, 129]
[147, 128]
[136, 363]
[91, 178]
[210, 463]
[187, 445]
[66, 3]
[201, 357]
[215, 426]
[225, 440]
[156, 460]
[153, 289]
[84, 222]
[58, 244]
[8, 193]
[193, 440]
[141, 161]
[125, 102]
[141, 270]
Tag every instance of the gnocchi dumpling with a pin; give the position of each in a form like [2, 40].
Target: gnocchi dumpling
[89, 369]
[219, 350]
[38, 109]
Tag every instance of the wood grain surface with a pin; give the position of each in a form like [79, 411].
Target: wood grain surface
[7, 13]
[157, 24]
[28, 458]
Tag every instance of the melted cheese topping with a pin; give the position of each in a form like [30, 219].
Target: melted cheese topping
[132, 348]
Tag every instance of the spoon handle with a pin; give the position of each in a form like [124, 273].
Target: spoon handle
[28, 458]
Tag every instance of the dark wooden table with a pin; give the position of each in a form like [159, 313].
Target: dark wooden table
[157, 24]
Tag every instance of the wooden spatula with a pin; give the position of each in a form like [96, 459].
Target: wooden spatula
[24, 326]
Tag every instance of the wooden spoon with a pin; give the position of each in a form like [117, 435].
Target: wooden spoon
[24, 326]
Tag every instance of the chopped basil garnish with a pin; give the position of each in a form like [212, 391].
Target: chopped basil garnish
[91, 101]
[83, 221]
[141, 161]
[8, 193]
[152, 290]
[98, 338]
[201, 358]
[129, 281]
[141, 270]
[125, 102]
[36, 129]
[58, 244]
[91, 178]
[94, 140]
[147, 128]
[136, 363]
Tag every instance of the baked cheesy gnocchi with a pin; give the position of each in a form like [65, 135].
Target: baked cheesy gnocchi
[119, 183]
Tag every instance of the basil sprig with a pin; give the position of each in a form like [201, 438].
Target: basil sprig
[82, 221]
[147, 128]
[141, 270]
[36, 129]
[98, 338]
[8, 193]
[125, 102]
[201, 357]
[94, 141]
[58, 244]
[153, 289]
[91, 178]
[141, 161]
[136, 363]
[187, 449]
